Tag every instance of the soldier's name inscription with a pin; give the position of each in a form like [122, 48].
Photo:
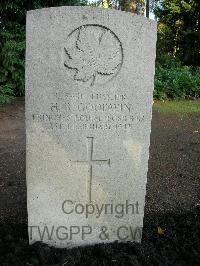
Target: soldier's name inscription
[95, 111]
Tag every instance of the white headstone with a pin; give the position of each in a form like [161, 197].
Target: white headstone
[89, 86]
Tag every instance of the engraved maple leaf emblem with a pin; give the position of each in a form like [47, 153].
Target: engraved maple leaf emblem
[94, 51]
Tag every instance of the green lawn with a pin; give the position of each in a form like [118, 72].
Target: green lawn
[184, 106]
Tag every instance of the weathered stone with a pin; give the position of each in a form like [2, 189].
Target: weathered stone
[89, 86]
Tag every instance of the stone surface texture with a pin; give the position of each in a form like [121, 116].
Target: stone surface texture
[89, 87]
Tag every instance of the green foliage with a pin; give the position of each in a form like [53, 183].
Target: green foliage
[178, 39]
[6, 93]
[134, 6]
[176, 81]
[12, 42]
[177, 68]
[12, 49]
[179, 29]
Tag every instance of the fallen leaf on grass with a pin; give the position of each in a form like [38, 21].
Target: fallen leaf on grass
[161, 231]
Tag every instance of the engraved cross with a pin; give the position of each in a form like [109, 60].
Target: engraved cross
[91, 162]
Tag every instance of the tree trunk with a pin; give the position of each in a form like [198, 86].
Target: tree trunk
[147, 8]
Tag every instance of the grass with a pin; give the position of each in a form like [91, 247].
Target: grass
[182, 106]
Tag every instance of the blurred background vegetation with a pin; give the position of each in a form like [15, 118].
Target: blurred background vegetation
[178, 47]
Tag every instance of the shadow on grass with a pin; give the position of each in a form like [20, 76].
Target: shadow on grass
[180, 107]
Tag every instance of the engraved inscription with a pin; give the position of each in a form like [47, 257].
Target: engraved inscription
[91, 162]
[93, 111]
[94, 53]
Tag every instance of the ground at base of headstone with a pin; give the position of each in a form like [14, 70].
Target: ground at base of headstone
[172, 239]
[171, 233]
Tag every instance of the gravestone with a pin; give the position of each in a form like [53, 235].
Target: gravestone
[89, 86]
